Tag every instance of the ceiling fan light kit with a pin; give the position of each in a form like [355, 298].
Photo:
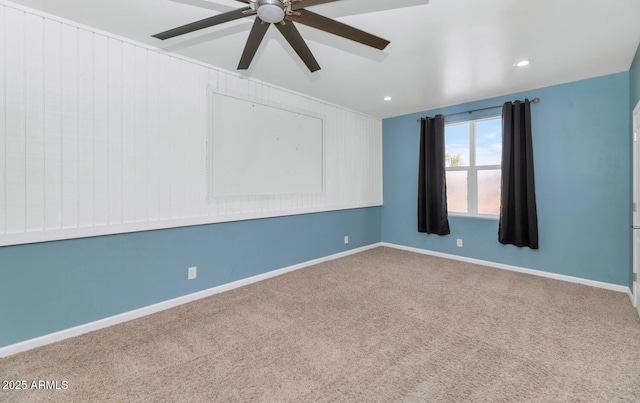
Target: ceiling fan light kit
[282, 13]
[271, 11]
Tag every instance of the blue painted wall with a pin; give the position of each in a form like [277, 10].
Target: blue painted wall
[583, 183]
[53, 286]
[634, 79]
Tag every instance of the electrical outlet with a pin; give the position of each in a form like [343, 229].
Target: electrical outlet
[192, 273]
[459, 243]
[346, 239]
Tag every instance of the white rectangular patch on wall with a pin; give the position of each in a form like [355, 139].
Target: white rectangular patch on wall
[258, 149]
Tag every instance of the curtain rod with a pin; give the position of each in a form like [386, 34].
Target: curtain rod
[533, 101]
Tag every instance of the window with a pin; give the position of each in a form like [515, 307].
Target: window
[473, 153]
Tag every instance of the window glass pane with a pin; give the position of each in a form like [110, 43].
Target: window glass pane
[457, 191]
[489, 142]
[456, 143]
[488, 191]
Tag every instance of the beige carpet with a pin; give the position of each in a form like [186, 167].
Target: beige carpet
[383, 325]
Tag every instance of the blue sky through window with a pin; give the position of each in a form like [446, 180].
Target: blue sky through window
[489, 142]
[457, 142]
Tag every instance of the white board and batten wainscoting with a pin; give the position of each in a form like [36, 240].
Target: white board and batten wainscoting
[101, 135]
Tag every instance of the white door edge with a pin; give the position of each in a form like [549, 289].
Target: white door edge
[636, 200]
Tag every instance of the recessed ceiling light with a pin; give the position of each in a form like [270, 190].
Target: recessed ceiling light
[522, 63]
[387, 98]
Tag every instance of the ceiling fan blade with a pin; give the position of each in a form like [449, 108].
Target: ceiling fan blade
[292, 35]
[323, 23]
[308, 3]
[362, 7]
[256, 35]
[206, 23]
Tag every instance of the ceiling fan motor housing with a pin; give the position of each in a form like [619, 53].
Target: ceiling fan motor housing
[272, 11]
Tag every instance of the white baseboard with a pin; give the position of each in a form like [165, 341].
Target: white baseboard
[148, 310]
[161, 306]
[561, 277]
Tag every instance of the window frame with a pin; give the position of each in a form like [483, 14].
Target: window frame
[472, 169]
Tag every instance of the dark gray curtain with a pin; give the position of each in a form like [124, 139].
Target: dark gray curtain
[432, 187]
[518, 214]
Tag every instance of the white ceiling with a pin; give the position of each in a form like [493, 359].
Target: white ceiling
[442, 52]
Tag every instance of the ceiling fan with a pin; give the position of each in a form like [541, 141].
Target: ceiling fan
[283, 14]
